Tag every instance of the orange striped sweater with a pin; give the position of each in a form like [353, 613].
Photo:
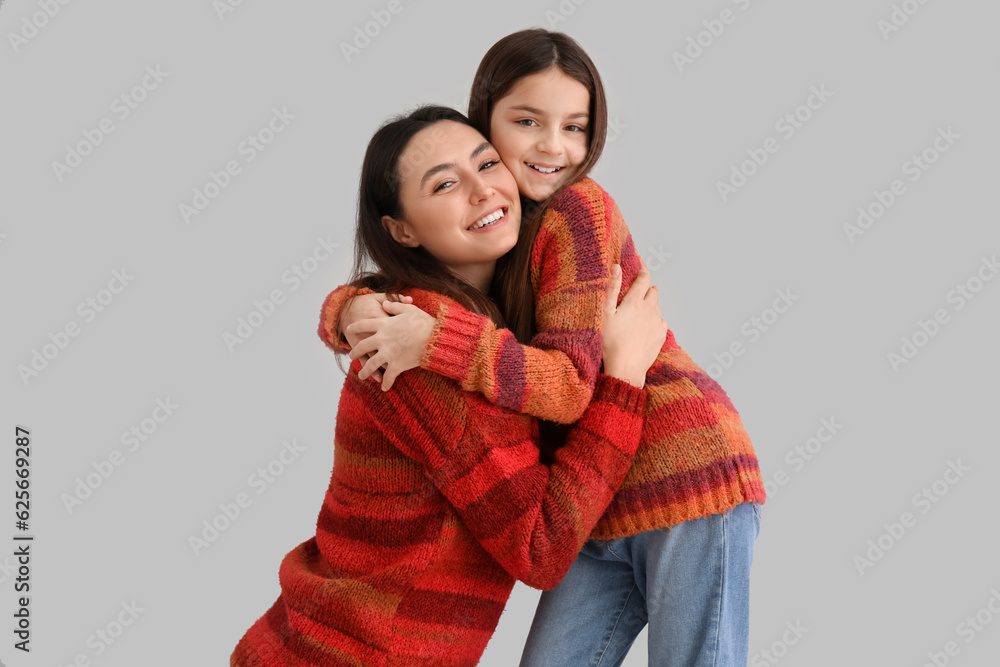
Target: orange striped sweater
[437, 502]
[695, 457]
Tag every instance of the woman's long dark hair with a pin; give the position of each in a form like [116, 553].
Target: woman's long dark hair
[382, 264]
[514, 57]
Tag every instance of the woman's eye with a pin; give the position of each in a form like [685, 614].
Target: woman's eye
[525, 121]
[442, 184]
[576, 128]
[489, 163]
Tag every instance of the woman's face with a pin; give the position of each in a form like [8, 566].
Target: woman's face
[459, 201]
[540, 130]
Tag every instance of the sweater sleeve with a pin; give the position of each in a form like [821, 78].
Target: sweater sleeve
[329, 317]
[553, 378]
[532, 518]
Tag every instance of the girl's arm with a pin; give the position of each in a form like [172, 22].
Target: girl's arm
[553, 377]
[469, 348]
[342, 302]
[329, 320]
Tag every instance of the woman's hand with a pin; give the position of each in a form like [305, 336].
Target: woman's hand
[634, 331]
[394, 343]
[364, 306]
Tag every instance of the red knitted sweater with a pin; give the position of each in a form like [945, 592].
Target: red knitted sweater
[437, 502]
[695, 457]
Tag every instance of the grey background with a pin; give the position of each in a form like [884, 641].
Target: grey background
[679, 133]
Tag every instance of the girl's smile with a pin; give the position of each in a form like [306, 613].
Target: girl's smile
[542, 170]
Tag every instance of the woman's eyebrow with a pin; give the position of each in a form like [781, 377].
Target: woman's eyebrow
[451, 165]
[479, 149]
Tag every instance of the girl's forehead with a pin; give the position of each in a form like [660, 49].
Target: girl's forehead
[552, 88]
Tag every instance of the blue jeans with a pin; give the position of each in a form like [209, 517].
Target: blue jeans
[690, 582]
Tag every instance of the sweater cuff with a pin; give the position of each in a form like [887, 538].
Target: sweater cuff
[329, 318]
[618, 392]
[454, 342]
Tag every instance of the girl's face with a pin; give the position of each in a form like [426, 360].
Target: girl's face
[540, 130]
[459, 201]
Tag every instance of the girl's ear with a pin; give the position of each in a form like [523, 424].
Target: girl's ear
[400, 232]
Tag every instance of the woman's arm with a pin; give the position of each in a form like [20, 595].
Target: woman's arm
[533, 518]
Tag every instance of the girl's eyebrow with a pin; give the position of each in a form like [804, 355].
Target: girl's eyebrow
[539, 112]
[451, 165]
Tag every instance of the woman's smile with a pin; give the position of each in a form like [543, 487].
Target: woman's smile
[454, 189]
[493, 220]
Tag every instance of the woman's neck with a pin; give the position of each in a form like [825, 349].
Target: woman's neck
[478, 275]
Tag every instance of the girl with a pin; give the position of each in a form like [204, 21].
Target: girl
[437, 500]
[675, 546]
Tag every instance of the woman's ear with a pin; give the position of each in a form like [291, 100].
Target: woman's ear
[400, 232]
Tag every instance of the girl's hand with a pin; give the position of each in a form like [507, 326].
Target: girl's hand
[634, 331]
[364, 306]
[395, 343]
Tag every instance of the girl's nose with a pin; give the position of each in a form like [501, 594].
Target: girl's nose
[550, 143]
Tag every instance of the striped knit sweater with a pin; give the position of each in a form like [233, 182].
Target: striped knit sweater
[437, 502]
[695, 457]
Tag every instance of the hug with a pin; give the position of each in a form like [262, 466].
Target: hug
[516, 408]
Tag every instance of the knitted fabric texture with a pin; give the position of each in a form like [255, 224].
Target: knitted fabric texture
[437, 503]
[695, 457]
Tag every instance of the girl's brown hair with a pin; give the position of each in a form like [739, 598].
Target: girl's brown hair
[514, 57]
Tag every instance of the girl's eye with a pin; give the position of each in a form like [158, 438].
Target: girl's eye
[525, 121]
[441, 185]
[489, 163]
[576, 128]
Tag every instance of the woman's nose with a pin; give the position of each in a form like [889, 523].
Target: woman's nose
[481, 189]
